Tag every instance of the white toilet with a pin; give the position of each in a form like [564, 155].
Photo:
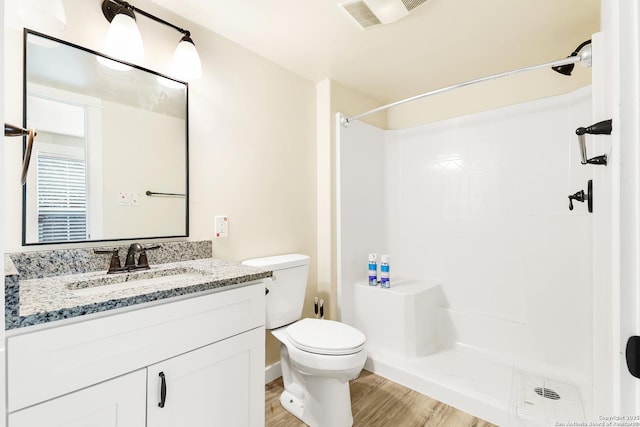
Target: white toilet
[318, 357]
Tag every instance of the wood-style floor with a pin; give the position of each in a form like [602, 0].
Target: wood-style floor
[378, 402]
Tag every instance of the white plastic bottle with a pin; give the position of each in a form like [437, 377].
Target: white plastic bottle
[373, 270]
[385, 281]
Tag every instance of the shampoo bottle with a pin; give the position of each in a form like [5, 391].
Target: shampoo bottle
[373, 270]
[384, 272]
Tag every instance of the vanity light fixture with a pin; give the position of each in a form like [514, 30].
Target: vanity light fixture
[123, 37]
[186, 61]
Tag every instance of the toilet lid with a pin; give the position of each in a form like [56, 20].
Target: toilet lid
[325, 337]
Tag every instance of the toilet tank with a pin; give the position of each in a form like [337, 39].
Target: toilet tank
[285, 298]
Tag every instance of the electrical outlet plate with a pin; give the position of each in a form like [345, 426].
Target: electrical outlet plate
[128, 199]
[221, 226]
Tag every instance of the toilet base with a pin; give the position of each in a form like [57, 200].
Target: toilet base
[292, 404]
[326, 403]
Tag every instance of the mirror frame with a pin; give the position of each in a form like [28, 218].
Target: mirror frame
[26, 33]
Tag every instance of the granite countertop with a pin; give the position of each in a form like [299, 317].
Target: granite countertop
[40, 300]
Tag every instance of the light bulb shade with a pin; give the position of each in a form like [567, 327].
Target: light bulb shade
[186, 61]
[47, 16]
[123, 38]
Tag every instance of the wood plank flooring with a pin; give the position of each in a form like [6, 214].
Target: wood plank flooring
[378, 402]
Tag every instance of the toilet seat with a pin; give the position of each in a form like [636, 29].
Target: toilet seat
[326, 337]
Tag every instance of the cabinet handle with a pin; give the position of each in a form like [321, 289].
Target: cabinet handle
[163, 390]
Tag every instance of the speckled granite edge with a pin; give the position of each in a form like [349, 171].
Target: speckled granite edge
[11, 290]
[51, 265]
[9, 266]
[32, 265]
[49, 316]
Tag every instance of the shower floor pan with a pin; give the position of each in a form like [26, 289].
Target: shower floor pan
[409, 340]
[491, 390]
[457, 377]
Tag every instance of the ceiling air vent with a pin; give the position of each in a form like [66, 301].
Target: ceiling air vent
[412, 4]
[361, 13]
[368, 13]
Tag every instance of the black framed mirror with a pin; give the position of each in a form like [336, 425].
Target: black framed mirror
[110, 159]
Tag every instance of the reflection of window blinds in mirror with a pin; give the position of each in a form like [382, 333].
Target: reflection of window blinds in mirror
[62, 198]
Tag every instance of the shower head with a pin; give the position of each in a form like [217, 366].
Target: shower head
[583, 52]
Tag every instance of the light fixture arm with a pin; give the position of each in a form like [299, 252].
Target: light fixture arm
[111, 7]
[186, 63]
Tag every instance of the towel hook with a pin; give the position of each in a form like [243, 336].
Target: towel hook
[12, 130]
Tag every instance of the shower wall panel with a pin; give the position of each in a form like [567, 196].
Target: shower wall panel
[362, 195]
[480, 203]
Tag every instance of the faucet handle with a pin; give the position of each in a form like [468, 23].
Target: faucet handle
[114, 263]
[143, 261]
[581, 196]
[578, 196]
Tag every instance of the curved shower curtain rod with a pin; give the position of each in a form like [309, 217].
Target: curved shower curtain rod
[582, 54]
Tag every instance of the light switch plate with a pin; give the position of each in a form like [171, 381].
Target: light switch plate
[221, 226]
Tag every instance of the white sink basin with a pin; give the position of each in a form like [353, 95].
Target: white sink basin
[122, 281]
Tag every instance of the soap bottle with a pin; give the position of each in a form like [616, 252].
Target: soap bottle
[373, 270]
[384, 272]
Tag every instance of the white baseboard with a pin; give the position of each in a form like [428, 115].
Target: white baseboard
[272, 372]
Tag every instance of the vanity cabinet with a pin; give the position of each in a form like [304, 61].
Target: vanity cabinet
[106, 371]
[119, 402]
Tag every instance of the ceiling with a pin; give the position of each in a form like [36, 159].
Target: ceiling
[441, 42]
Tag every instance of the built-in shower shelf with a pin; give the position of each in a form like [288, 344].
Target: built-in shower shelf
[404, 319]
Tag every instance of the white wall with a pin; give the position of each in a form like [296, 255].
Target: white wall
[480, 203]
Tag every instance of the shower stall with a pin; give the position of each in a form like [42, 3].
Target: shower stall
[490, 285]
[496, 301]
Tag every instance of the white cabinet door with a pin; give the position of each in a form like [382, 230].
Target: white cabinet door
[221, 384]
[118, 402]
